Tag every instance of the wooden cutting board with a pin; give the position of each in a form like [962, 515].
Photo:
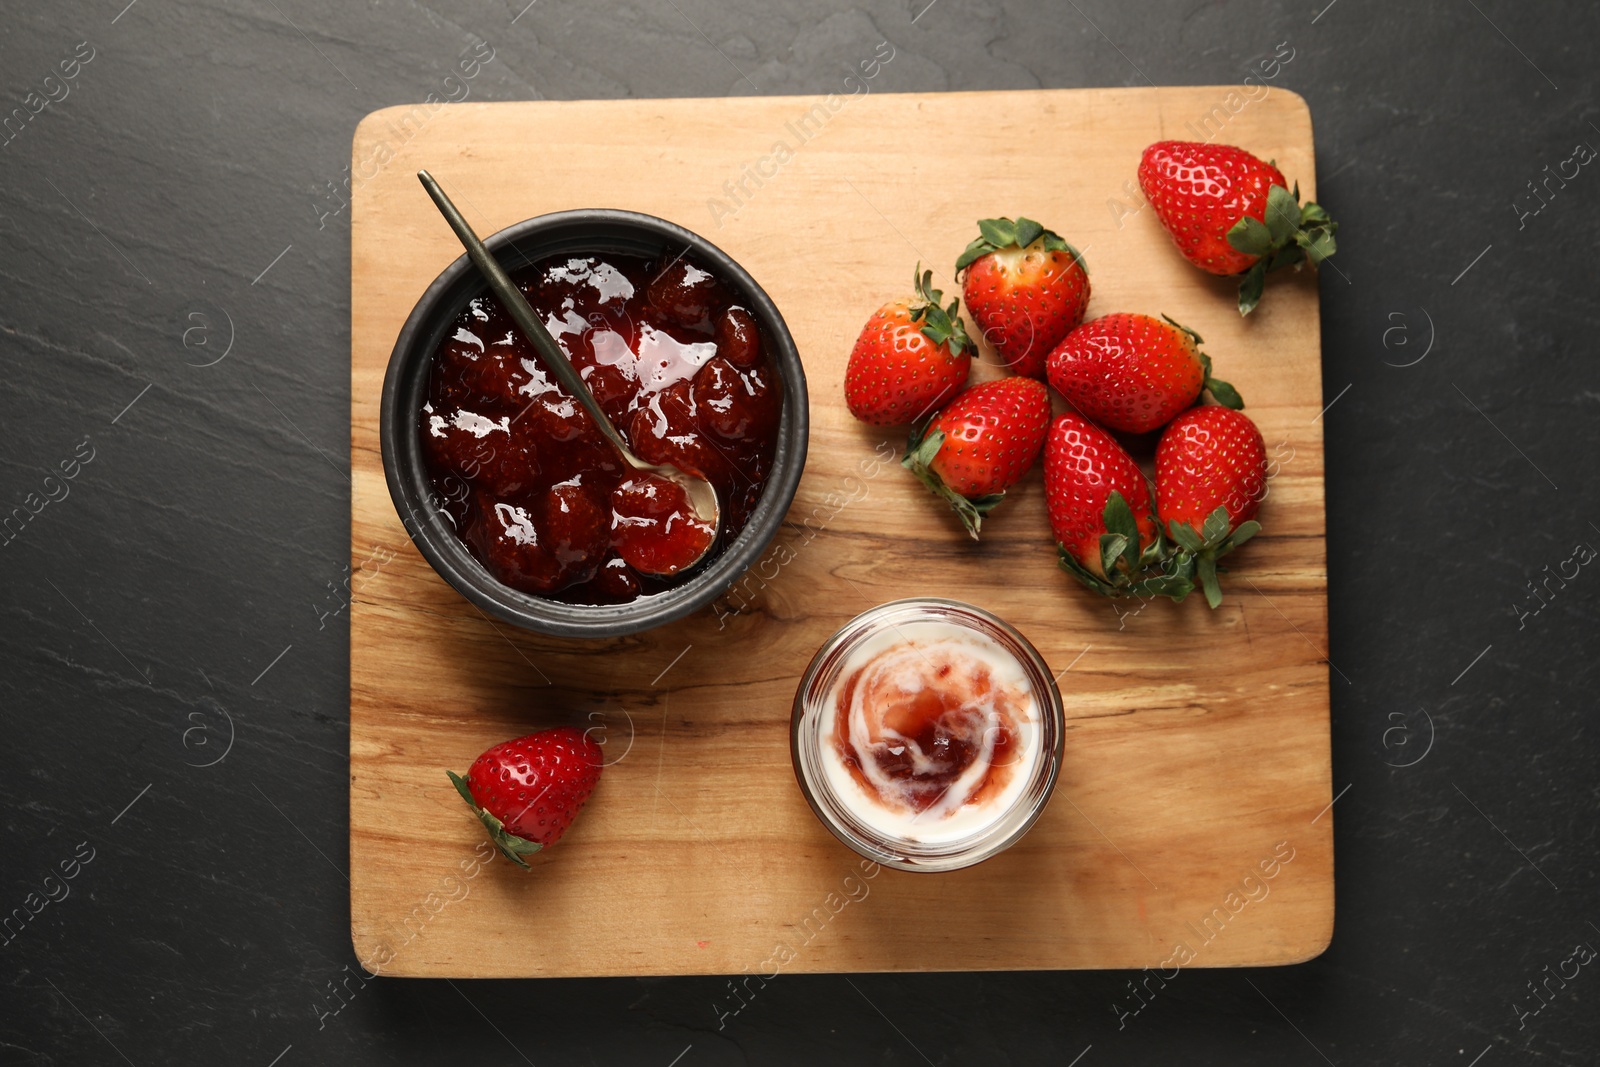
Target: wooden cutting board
[1197, 753]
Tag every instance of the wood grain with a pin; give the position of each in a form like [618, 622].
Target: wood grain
[1197, 741]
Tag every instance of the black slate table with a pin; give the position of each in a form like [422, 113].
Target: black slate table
[174, 261]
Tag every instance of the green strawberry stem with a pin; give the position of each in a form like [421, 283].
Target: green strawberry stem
[1221, 391]
[941, 325]
[1170, 568]
[1159, 577]
[1126, 570]
[919, 461]
[1120, 543]
[995, 234]
[510, 845]
[1198, 551]
[1293, 232]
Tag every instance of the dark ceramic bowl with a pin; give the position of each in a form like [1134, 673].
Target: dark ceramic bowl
[405, 388]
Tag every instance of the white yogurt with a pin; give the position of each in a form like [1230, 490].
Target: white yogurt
[887, 674]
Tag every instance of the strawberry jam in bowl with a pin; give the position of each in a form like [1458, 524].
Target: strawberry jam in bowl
[510, 490]
[927, 734]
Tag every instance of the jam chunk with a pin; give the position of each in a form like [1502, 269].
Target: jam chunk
[654, 526]
[686, 294]
[739, 338]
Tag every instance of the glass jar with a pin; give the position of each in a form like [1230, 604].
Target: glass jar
[927, 734]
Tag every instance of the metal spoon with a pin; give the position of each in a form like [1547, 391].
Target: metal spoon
[702, 495]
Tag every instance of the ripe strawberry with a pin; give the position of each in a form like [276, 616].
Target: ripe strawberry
[911, 357]
[528, 790]
[1099, 505]
[1025, 287]
[981, 445]
[1230, 213]
[1211, 473]
[1133, 372]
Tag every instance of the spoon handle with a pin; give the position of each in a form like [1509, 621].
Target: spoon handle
[516, 306]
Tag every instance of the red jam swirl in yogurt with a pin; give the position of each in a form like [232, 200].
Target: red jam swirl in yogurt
[933, 731]
[534, 491]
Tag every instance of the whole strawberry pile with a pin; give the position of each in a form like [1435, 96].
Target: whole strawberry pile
[1027, 289]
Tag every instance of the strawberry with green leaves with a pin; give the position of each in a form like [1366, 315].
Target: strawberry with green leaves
[527, 791]
[1133, 372]
[1025, 287]
[1233, 213]
[1211, 474]
[1100, 514]
[911, 357]
[981, 445]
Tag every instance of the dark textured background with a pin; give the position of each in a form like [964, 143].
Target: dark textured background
[198, 544]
